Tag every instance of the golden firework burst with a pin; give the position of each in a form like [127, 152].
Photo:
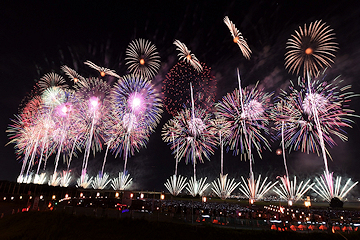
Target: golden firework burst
[311, 49]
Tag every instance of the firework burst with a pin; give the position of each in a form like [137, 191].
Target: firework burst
[103, 71]
[40, 178]
[311, 49]
[186, 56]
[92, 109]
[238, 38]
[295, 111]
[176, 90]
[175, 184]
[190, 144]
[54, 180]
[290, 191]
[245, 119]
[101, 181]
[223, 187]
[122, 182]
[329, 191]
[65, 179]
[137, 111]
[197, 187]
[51, 80]
[255, 189]
[72, 74]
[142, 58]
[84, 181]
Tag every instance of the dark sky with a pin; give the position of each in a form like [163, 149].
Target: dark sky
[40, 36]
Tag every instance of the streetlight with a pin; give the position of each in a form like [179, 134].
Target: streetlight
[116, 194]
[204, 199]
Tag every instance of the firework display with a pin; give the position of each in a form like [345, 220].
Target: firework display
[294, 114]
[103, 71]
[186, 55]
[63, 122]
[176, 92]
[238, 38]
[244, 118]
[311, 49]
[142, 58]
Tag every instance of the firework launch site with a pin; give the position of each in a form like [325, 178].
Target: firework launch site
[202, 216]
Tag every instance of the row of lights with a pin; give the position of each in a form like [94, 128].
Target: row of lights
[117, 194]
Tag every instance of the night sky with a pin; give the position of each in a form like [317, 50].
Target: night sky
[38, 37]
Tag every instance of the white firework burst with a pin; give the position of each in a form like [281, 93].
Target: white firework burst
[65, 179]
[122, 182]
[142, 58]
[186, 56]
[84, 181]
[40, 178]
[100, 181]
[238, 38]
[52, 80]
[326, 188]
[254, 189]
[290, 191]
[54, 180]
[24, 178]
[103, 71]
[197, 187]
[72, 74]
[223, 187]
[175, 184]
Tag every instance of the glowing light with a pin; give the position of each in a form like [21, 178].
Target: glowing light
[64, 110]
[162, 196]
[308, 51]
[94, 103]
[135, 103]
